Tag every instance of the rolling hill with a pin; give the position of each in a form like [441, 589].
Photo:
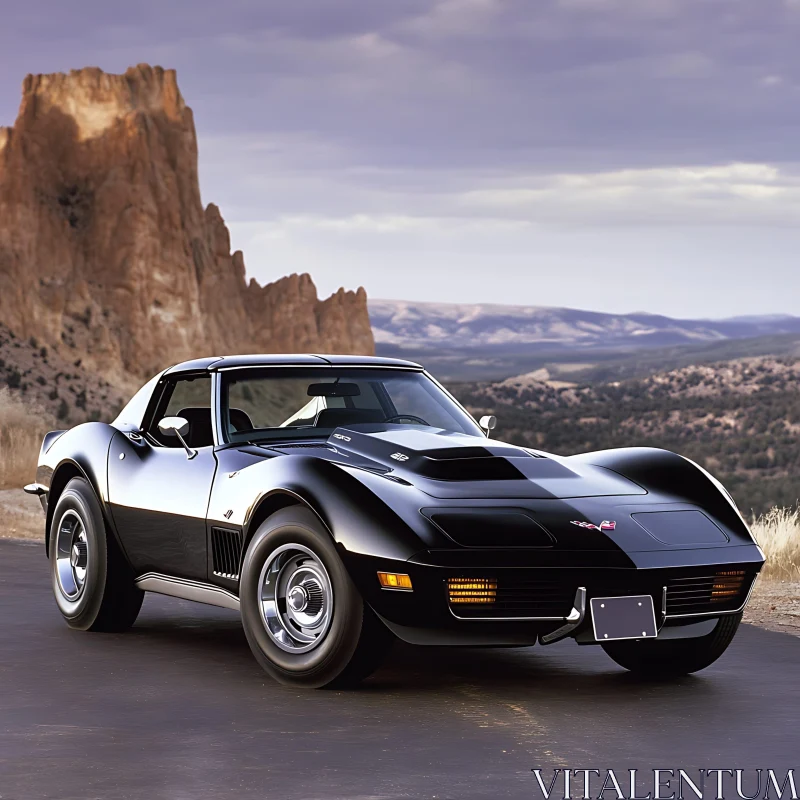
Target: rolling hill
[490, 342]
[740, 419]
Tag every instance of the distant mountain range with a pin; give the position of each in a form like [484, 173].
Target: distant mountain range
[420, 325]
[480, 341]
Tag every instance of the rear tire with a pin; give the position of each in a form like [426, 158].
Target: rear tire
[92, 582]
[304, 619]
[675, 657]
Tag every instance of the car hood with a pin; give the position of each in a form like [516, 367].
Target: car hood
[444, 464]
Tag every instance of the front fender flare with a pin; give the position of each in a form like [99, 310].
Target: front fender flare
[666, 473]
[366, 513]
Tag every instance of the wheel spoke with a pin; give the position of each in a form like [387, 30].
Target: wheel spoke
[72, 555]
[296, 598]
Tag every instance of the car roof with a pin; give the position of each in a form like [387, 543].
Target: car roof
[214, 363]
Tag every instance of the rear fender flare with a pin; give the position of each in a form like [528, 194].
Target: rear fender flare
[79, 452]
[62, 475]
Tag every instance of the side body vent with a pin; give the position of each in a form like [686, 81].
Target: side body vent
[226, 551]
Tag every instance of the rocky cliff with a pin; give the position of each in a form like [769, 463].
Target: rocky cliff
[106, 251]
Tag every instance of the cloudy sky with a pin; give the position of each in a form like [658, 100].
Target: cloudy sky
[616, 155]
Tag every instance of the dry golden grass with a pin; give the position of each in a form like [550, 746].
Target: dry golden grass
[22, 428]
[778, 533]
[21, 514]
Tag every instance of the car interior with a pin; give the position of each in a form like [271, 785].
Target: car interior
[199, 419]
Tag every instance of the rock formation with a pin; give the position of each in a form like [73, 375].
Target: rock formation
[106, 251]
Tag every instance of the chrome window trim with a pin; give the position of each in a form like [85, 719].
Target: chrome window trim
[218, 427]
[322, 365]
[216, 410]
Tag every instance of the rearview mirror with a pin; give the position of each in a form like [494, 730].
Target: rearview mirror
[334, 390]
[177, 426]
[488, 423]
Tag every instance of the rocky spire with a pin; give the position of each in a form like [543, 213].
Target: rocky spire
[106, 251]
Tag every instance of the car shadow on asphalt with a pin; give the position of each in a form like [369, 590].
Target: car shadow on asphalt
[566, 670]
[563, 669]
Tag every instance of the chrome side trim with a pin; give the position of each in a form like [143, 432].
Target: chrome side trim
[573, 620]
[188, 590]
[718, 613]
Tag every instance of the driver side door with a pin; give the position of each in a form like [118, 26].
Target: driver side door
[159, 496]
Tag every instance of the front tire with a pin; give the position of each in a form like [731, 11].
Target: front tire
[675, 657]
[304, 619]
[92, 583]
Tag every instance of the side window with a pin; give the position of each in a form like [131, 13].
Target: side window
[189, 398]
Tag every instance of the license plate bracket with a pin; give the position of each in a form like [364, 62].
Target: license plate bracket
[615, 618]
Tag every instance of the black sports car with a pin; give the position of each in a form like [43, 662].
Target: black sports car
[339, 502]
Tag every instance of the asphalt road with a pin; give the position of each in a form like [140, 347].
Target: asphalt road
[177, 708]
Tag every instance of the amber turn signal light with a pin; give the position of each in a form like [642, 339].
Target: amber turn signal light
[392, 580]
[727, 586]
[472, 590]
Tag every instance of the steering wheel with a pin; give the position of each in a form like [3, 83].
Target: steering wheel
[398, 417]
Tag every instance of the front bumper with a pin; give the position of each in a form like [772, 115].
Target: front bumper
[541, 598]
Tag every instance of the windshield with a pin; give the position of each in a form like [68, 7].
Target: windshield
[311, 402]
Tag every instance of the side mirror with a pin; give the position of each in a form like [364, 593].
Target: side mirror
[174, 426]
[488, 423]
[177, 426]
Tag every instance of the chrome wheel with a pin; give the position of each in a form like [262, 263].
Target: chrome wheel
[72, 555]
[295, 598]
